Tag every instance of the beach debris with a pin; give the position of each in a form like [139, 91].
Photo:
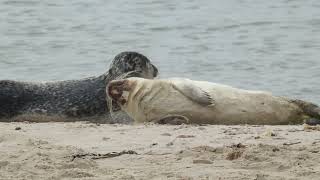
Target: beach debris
[229, 132]
[235, 152]
[257, 137]
[102, 156]
[239, 145]
[291, 143]
[202, 161]
[275, 149]
[17, 128]
[204, 149]
[185, 136]
[166, 134]
[153, 144]
[157, 153]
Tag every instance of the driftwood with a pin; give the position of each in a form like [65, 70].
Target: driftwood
[291, 143]
[101, 156]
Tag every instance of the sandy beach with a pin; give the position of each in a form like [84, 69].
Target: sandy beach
[102, 151]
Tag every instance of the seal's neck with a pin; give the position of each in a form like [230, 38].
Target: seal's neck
[106, 78]
[138, 99]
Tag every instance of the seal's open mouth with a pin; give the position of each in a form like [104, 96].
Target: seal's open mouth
[117, 89]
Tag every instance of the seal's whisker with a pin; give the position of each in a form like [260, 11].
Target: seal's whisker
[110, 107]
[125, 75]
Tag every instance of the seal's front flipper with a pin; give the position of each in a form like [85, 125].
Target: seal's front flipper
[173, 120]
[193, 92]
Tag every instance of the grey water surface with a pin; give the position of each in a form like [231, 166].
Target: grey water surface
[269, 45]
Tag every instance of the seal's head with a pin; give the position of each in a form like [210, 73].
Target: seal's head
[118, 90]
[132, 64]
[127, 94]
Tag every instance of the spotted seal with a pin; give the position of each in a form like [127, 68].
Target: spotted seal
[70, 100]
[184, 100]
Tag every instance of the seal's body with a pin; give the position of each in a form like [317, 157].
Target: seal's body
[70, 100]
[205, 103]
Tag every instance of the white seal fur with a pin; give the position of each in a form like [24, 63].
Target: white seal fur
[200, 102]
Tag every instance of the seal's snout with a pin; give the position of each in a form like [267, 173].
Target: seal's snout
[115, 90]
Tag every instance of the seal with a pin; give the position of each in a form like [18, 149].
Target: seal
[177, 101]
[70, 100]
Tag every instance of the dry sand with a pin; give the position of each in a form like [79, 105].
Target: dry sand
[70, 151]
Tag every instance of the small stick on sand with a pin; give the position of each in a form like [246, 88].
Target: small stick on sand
[102, 156]
[292, 143]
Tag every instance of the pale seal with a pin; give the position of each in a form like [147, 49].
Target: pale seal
[184, 100]
[70, 100]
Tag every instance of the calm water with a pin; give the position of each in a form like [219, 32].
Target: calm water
[269, 45]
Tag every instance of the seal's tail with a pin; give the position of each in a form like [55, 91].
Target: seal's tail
[309, 109]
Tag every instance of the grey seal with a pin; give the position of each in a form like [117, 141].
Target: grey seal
[186, 101]
[70, 100]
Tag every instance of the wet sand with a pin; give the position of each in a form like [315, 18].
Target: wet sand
[100, 151]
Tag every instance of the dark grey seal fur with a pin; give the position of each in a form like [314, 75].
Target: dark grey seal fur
[70, 100]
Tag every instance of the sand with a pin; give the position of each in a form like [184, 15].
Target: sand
[149, 151]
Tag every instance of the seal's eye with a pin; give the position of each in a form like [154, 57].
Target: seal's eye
[110, 71]
[136, 64]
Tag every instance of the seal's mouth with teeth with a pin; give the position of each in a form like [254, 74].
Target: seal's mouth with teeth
[118, 91]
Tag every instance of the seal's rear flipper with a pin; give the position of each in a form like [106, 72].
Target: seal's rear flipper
[193, 92]
[312, 121]
[310, 109]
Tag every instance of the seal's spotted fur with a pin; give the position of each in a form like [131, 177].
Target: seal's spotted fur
[69, 100]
